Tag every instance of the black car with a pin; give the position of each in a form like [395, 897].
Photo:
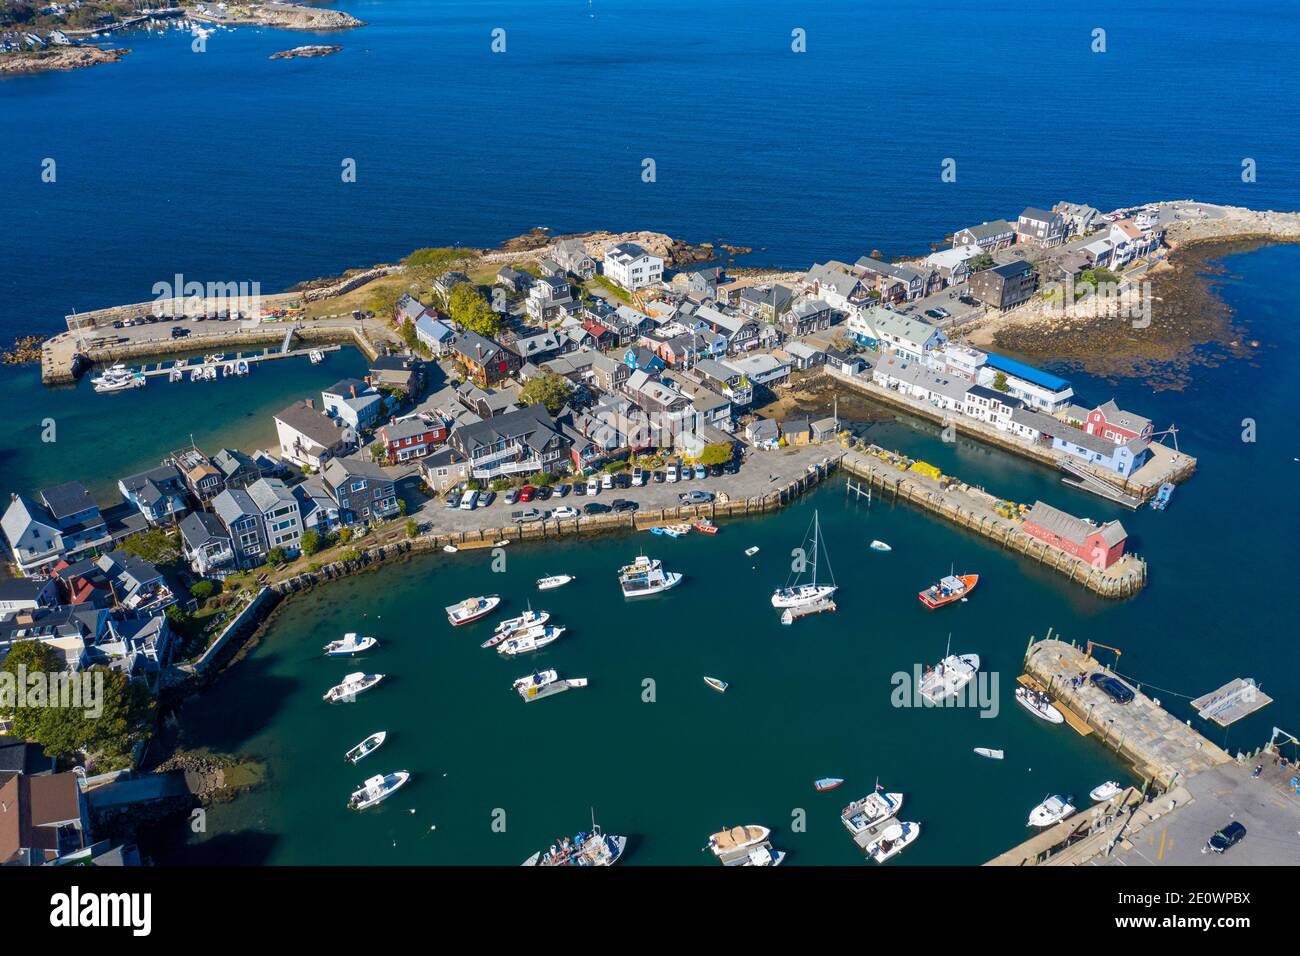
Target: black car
[579, 488]
[595, 508]
[512, 496]
[486, 498]
[178, 332]
[1113, 688]
[967, 300]
[715, 471]
[118, 324]
[622, 480]
[562, 490]
[731, 467]
[657, 477]
[543, 492]
[622, 505]
[1227, 838]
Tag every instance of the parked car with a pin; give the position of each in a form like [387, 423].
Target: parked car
[607, 480]
[529, 514]
[178, 332]
[731, 467]
[579, 487]
[593, 485]
[453, 499]
[967, 300]
[526, 493]
[701, 471]
[1226, 838]
[543, 492]
[562, 490]
[118, 324]
[486, 498]
[695, 497]
[638, 477]
[469, 501]
[622, 505]
[622, 480]
[595, 508]
[565, 512]
[657, 477]
[670, 474]
[511, 496]
[1115, 689]
[715, 471]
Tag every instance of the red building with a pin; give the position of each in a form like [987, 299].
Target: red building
[1111, 422]
[411, 438]
[1101, 546]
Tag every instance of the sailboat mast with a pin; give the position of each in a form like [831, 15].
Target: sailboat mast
[816, 539]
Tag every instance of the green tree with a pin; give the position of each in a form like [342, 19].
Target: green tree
[470, 310]
[276, 556]
[980, 262]
[202, 590]
[412, 527]
[719, 453]
[1000, 382]
[552, 390]
[155, 546]
[311, 541]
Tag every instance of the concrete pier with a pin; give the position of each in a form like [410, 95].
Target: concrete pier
[977, 511]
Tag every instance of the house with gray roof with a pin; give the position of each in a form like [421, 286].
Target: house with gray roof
[206, 545]
[62, 521]
[281, 521]
[522, 442]
[353, 402]
[362, 489]
[242, 519]
[807, 316]
[310, 438]
[1040, 227]
[571, 254]
[159, 493]
[989, 236]
[1101, 546]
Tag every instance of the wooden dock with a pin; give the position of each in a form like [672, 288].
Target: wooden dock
[164, 370]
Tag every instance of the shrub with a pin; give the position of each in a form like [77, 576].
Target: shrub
[202, 590]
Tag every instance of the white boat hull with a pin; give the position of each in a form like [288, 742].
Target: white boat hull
[802, 596]
[1043, 711]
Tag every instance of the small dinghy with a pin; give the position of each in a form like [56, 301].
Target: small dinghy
[896, 838]
[750, 552]
[880, 546]
[1039, 704]
[553, 581]
[471, 609]
[352, 685]
[349, 645]
[827, 783]
[366, 747]
[705, 526]
[1052, 810]
[450, 548]
[719, 685]
[377, 789]
[990, 753]
[1105, 791]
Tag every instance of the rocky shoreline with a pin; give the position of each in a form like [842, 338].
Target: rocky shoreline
[26, 348]
[58, 59]
[305, 51]
[284, 16]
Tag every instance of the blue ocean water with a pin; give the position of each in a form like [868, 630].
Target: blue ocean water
[225, 165]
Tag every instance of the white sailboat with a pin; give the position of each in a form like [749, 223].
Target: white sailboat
[949, 676]
[795, 595]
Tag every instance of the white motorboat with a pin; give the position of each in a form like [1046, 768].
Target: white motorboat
[553, 581]
[545, 684]
[880, 546]
[1039, 704]
[798, 595]
[349, 645]
[1104, 792]
[947, 678]
[646, 576]
[533, 681]
[316, 356]
[377, 789]
[117, 378]
[352, 685]
[728, 841]
[533, 639]
[761, 855]
[471, 609]
[368, 746]
[596, 848]
[896, 838]
[522, 622]
[1052, 810]
[990, 753]
[870, 810]
[750, 552]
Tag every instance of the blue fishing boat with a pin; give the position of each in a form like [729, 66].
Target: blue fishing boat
[1161, 500]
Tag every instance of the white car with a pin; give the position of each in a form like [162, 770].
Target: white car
[565, 512]
[470, 501]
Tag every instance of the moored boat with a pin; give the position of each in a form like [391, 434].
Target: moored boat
[471, 609]
[795, 595]
[1161, 501]
[366, 747]
[750, 552]
[949, 588]
[545, 684]
[553, 581]
[349, 645]
[948, 677]
[705, 526]
[880, 546]
[1039, 704]
[719, 685]
[1052, 810]
[990, 753]
[596, 848]
[522, 622]
[352, 685]
[870, 810]
[533, 639]
[1104, 792]
[737, 838]
[377, 789]
[761, 855]
[827, 783]
[896, 838]
[646, 576]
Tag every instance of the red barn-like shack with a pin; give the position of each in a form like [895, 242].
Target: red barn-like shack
[1099, 545]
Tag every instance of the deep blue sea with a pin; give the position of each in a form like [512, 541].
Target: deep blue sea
[225, 165]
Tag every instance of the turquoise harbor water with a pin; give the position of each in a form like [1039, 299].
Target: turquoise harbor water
[806, 701]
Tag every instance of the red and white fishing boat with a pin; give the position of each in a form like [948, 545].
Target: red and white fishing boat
[951, 587]
[471, 609]
[705, 526]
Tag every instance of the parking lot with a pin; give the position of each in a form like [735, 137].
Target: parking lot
[760, 473]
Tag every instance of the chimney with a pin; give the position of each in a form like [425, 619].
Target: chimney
[311, 403]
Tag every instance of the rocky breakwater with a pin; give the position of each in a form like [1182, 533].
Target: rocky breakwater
[26, 348]
[286, 16]
[215, 778]
[58, 58]
[305, 51]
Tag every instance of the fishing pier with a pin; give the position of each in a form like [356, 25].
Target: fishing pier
[187, 367]
[896, 477]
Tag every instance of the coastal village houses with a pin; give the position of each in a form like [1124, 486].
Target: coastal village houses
[309, 438]
[63, 521]
[632, 267]
[1101, 546]
[363, 490]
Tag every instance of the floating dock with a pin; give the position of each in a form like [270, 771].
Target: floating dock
[1234, 700]
[165, 370]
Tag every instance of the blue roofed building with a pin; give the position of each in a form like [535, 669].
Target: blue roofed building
[1036, 388]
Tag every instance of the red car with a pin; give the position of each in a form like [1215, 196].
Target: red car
[527, 492]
